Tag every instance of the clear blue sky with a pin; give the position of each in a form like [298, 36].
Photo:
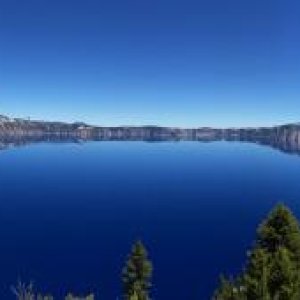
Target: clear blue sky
[186, 63]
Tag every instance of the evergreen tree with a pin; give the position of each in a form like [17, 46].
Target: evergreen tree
[24, 291]
[273, 268]
[133, 297]
[256, 276]
[229, 290]
[284, 281]
[280, 229]
[137, 273]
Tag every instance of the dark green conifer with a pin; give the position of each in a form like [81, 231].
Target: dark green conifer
[280, 229]
[229, 290]
[284, 281]
[137, 273]
[273, 268]
[257, 275]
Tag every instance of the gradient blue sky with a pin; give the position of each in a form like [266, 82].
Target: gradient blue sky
[185, 63]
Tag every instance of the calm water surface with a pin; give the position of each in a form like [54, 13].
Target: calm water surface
[69, 212]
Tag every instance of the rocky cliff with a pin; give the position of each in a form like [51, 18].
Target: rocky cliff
[20, 131]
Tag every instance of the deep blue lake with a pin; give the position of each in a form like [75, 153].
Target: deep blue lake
[70, 212]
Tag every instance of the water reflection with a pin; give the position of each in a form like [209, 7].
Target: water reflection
[284, 138]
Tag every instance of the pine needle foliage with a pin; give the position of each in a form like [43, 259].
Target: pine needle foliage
[137, 273]
[272, 271]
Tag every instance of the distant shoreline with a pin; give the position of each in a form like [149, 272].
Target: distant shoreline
[6, 121]
[16, 132]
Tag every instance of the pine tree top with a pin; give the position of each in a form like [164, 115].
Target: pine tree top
[138, 249]
[137, 273]
[280, 229]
